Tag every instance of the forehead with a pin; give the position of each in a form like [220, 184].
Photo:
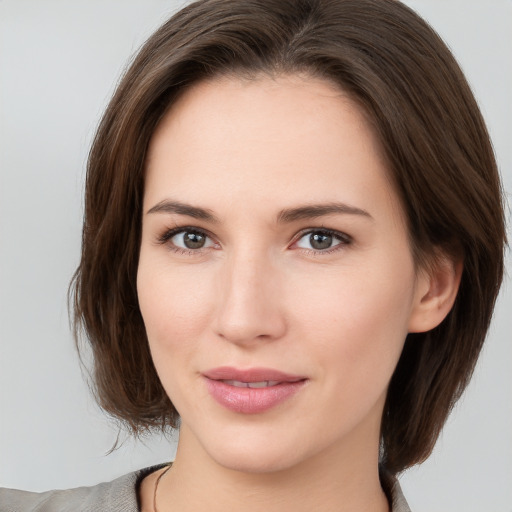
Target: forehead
[261, 110]
[264, 137]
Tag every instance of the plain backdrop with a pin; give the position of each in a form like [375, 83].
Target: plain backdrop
[59, 62]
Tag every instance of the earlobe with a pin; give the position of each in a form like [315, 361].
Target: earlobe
[436, 291]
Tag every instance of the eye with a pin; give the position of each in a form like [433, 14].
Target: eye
[191, 240]
[187, 239]
[322, 240]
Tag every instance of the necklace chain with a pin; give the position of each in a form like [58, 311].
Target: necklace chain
[156, 486]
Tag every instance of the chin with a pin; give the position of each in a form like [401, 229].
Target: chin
[249, 455]
[245, 461]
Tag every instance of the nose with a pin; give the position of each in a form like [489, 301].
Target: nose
[250, 308]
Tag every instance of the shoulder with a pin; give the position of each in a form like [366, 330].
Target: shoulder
[398, 500]
[119, 495]
[393, 491]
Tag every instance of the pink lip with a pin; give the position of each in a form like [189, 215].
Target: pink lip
[251, 400]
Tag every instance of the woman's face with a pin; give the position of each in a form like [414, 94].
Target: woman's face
[275, 279]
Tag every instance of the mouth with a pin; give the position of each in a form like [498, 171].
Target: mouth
[251, 391]
[253, 385]
[251, 376]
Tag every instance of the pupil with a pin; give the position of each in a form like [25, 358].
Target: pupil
[320, 240]
[194, 240]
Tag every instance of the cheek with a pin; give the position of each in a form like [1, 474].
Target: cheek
[358, 320]
[174, 309]
[175, 306]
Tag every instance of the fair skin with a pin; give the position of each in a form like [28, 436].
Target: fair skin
[245, 275]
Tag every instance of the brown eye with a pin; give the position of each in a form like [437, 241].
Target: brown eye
[322, 240]
[191, 240]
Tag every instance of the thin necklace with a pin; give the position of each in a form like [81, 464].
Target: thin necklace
[156, 487]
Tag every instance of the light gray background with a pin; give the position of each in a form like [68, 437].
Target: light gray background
[59, 62]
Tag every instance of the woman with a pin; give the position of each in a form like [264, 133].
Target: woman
[287, 247]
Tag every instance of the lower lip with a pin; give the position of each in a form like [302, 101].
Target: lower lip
[251, 400]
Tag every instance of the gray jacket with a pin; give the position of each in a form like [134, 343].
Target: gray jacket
[120, 495]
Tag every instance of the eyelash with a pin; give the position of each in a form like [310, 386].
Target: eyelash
[343, 239]
[165, 238]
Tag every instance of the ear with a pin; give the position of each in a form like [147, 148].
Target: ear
[436, 290]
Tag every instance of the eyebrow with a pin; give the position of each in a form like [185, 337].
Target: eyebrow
[319, 210]
[167, 206]
[287, 215]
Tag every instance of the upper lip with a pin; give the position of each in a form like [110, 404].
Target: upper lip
[250, 374]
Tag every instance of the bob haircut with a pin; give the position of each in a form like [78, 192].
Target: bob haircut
[440, 160]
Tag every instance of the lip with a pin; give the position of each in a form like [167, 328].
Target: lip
[250, 400]
[250, 374]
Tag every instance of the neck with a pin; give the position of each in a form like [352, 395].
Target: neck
[337, 480]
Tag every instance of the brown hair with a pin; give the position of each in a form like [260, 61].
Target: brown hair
[440, 158]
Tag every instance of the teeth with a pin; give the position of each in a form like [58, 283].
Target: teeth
[262, 384]
[236, 383]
